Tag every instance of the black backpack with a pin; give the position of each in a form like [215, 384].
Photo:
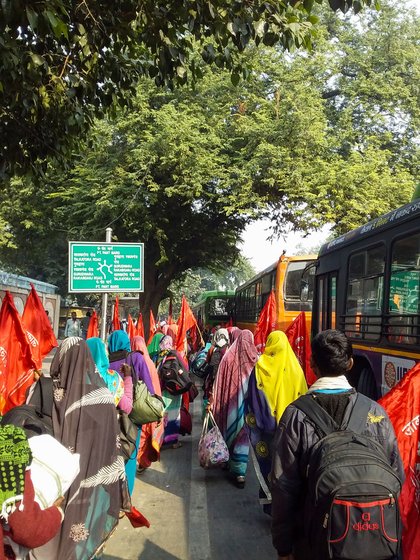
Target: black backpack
[351, 509]
[173, 376]
[36, 417]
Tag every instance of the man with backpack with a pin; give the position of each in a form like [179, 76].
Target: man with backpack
[336, 472]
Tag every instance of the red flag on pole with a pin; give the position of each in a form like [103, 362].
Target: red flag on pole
[116, 317]
[266, 322]
[93, 330]
[152, 327]
[185, 322]
[402, 404]
[38, 328]
[131, 330]
[140, 326]
[297, 335]
[16, 362]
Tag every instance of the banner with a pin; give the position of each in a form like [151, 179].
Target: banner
[16, 362]
[38, 328]
[402, 404]
[185, 322]
[267, 322]
[298, 338]
[116, 318]
[93, 330]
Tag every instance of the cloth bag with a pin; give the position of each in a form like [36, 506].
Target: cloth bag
[212, 448]
[146, 407]
[53, 469]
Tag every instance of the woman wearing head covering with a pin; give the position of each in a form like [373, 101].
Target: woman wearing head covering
[152, 433]
[119, 355]
[153, 347]
[85, 421]
[22, 522]
[228, 404]
[172, 412]
[214, 356]
[276, 381]
[121, 389]
[233, 334]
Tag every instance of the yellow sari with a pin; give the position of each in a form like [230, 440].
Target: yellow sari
[279, 375]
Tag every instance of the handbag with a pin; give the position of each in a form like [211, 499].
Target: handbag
[146, 407]
[212, 448]
[128, 435]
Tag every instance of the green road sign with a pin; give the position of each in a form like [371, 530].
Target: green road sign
[106, 267]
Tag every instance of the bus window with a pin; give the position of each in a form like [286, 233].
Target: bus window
[404, 291]
[292, 288]
[365, 294]
[327, 293]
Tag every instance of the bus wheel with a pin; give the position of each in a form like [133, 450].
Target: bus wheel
[366, 384]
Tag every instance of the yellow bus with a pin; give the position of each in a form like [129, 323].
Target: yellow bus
[286, 277]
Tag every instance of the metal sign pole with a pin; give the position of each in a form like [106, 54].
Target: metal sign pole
[108, 239]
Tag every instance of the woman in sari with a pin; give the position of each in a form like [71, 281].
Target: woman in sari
[172, 413]
[277, 380]
[151, 434]
[228, 406]
[153, 347]
[119, 355]
[121, 388]
[84, 420]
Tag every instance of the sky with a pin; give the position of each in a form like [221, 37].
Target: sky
[263, 253]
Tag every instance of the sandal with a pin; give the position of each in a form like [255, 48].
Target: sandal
[240, 481]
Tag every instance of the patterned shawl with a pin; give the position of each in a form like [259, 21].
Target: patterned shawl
[232, 383]
[15, 457]
[85, 421]
[112, 379]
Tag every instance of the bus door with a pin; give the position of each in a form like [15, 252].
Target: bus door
[324, 315]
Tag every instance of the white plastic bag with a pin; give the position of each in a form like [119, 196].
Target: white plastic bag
[53, 469]
[212, 448]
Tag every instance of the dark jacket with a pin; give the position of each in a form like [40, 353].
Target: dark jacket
[295, 436]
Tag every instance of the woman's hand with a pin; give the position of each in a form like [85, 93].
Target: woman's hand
[58, 501]
[125, 370]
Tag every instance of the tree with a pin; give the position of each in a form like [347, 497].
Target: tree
[63, 62]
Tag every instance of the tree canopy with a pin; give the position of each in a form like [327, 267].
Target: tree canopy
[309, 138]
[63, 62]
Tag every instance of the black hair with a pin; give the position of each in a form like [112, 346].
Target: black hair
[331, 353]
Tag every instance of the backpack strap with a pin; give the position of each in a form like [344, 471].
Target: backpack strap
[358, 416]
[314, 411]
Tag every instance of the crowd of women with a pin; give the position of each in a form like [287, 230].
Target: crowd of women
[92, 387]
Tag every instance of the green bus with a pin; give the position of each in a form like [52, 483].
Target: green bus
[214, 308]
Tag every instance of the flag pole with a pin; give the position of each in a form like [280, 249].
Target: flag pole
[108, 239]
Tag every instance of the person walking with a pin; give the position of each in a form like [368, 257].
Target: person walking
[152, 433]
[298, 433]
[84, 324]
[228, 402]
[73, 327]
[276, 381]
[85, 422]
[119, 355]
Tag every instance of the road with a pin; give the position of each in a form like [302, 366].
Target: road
[194, 514]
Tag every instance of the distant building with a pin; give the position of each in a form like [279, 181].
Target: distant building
[20, 286]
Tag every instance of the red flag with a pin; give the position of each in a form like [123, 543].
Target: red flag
[170, 313]
[402, 404]
[131, 330]
[116, 317]
[38, 328]
[185, 322]
[140, 326]
[152, 327]
[93, 329]
[298, 337]
[16, 362]
[266, 322]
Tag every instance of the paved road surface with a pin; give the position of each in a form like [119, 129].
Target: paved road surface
[194, 514]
